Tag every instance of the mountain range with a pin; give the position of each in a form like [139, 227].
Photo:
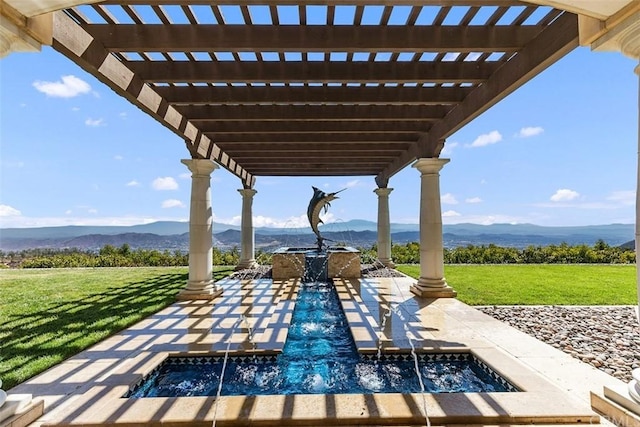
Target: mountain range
[174, 235]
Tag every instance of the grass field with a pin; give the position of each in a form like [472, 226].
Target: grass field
[540, 284]
[49, 315]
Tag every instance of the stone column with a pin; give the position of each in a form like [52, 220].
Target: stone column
[432, 283]
[247, 253]
[200, 284]
[384, 227]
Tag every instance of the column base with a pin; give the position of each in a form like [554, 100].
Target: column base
[199, 290]
[433, 288]
[387, 262]
[244, 264]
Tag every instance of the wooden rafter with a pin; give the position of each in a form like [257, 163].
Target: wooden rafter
[205, 38]
[310, 72]
[210, 95]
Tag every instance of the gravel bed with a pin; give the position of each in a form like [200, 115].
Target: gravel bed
[605, 337]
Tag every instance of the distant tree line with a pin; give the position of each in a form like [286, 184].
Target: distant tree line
[124, 256]
[599, 253]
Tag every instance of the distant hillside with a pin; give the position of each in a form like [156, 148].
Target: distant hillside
[174, 235]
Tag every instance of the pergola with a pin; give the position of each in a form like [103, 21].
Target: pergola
[325, 88]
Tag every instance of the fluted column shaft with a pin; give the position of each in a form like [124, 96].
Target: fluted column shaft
[200, 284]
[247, 248]
[432, 283]
[384, 227]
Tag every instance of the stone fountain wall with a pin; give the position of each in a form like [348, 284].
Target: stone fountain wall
[289, 263]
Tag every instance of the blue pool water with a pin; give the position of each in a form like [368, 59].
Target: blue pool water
[319, 357]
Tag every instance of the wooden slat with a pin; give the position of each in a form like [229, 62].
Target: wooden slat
[329, 2]
[323, 95]
[185, 37]
[292, 113]
[262, 72]
[315, 127]
[314, 147]
[314, 139]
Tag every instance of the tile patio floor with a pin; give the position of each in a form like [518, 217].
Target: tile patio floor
[87, 388]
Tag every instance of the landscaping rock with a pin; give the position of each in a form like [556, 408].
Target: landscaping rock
[607, 337]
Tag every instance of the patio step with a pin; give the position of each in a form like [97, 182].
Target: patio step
[617, 406]
[20, 410]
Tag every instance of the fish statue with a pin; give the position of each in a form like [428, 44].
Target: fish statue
[320, 201]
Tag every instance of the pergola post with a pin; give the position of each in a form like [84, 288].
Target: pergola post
[200, 284]
[431, 283]
[384, 227]
[247, 251]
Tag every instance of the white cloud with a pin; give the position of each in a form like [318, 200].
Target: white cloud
[93, 211]
[123, 115]
[473, 200]
[172, 203]
[12, 165]
[448, 199]
[352, 184]
[564, 195]
[6, 210]
[68, 212]
[448, 148]
[625, 197]
[164, 183]
[483, 219]
[450, 214]
[486, 139]
[527, 132]
[118, 157]
[69, 87]
[75, 108]
[133, 183]
[94, 122]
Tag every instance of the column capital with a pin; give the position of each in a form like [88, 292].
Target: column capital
[430, 165]
[383, 191]
[200, 167]
[623, 37]
[247, 192]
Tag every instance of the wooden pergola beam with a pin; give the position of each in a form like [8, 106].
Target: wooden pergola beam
[312, 72]
[308, 139]
[316, 148]
[500, 3]
[292, 113]
[212, 95]
[316, 127]
[294, 38]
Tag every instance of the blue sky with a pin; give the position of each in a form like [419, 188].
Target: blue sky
[559, 151]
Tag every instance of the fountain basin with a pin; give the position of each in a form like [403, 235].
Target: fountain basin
[265, 375]
[341, 261]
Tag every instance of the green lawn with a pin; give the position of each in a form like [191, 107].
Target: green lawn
[540, 284]
[49, 315]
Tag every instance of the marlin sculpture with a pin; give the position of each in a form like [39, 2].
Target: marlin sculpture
[319, 201]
